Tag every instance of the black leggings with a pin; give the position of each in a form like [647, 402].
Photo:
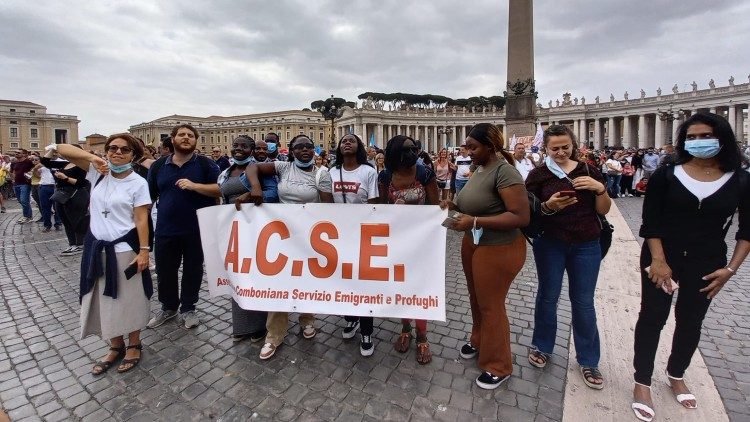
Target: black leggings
[626, 185]
[687, 270]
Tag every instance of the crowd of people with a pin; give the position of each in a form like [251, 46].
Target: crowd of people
[133, 201]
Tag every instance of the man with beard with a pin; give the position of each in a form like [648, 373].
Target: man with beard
[183, 182]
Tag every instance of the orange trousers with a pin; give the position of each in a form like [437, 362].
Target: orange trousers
[489, 271]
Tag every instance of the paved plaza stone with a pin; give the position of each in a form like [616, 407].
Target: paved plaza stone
[201, 374]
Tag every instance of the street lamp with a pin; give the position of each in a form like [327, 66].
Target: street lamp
[671, 115]
[331, 109]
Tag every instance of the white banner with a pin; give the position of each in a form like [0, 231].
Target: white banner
[363, 260]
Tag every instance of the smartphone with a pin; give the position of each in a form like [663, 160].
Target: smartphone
[567, 193]
[452, 218]
[131, 270]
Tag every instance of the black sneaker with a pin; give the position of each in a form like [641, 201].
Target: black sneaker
[489, 381]
[468, 351]
[366, 348]
[258, 335]
[351, 329]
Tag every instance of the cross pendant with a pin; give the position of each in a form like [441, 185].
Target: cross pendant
[104, 213]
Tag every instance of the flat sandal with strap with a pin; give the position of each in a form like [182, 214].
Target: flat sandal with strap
[132, 362]
[103, 366]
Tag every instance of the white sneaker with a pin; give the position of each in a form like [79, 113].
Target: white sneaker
[366, 348]
[308, 331]
[267, 351]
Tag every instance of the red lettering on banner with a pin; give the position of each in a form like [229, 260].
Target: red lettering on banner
[324, 248]
[233, 250]
[265, 266]
[367, 250]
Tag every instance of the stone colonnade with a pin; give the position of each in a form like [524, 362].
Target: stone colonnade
[433, 136]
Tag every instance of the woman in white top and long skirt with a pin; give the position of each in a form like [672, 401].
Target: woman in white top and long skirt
[115, 281]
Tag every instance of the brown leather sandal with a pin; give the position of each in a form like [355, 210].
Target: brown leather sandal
[423, 353]
[402, 342]
[103, 366]
[128, 364]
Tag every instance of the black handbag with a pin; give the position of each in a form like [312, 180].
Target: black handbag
[62, 196]
[605, 238]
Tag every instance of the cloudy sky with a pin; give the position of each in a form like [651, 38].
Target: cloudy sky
[118, 63]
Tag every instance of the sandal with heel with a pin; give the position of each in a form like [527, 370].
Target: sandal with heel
[132, 362]
[681, 398]
[639, 407]
[103, 366]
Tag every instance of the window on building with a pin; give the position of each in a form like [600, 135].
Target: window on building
[321, 136]
[34, 133]
[14, 144]
[14, 132]
[32, 123]
[35, 145]
[288, 137]
[203, 138]
[14, 122]
[32, 112]
[12, 110]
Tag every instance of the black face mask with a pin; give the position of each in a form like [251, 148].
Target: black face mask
[408, 158]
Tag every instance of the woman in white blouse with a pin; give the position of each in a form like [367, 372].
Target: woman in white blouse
[115, 281]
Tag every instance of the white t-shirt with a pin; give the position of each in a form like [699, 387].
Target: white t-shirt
[701, 190]
[464, 167]
[358, 185]
[112, 204]
[297, 186]
[524, 166]
[45, 176]
[615, 165]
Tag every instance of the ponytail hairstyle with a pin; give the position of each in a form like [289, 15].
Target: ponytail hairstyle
[491, 136]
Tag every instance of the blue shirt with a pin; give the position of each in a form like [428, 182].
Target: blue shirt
[176, 212]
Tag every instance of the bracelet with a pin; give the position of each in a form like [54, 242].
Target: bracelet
[145, 248]
[731, 270]
[549, 210]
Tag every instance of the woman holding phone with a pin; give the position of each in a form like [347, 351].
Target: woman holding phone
[115, 281]
[572, 194]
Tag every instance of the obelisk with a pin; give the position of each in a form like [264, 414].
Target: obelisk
[520, 105]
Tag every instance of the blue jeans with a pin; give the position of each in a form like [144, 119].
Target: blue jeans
[581, 260]
[46, 204]
[613, 185]
[23, 193]
[460, 185]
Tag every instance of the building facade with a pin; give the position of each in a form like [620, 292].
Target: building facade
[219, 131]
[641, 122]
[25, 125]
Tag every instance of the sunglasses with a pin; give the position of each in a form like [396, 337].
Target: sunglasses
[300, 147]
[115, 148]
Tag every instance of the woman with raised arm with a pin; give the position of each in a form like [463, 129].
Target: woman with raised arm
[299, 183]
[115, 281]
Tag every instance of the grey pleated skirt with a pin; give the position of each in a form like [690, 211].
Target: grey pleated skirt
[247, 322]
[107, 317]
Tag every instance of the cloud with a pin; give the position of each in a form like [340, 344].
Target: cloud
[114, 64]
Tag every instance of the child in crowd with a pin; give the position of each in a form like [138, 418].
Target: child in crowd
[640, 187]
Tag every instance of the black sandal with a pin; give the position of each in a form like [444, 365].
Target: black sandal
[103, 366]
[132, 362]
[538, 358]
[594, 374]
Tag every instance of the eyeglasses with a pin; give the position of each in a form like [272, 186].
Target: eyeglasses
[300, 147]
[115, 148]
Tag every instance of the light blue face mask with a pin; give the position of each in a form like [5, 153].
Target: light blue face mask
[476, 233]
[703, 148]
[243, 162]
[120, 169]
[271, 147]
[554, 168]
[304, 164]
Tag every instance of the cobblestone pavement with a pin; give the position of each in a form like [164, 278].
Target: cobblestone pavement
[725, 342]
[201, 374]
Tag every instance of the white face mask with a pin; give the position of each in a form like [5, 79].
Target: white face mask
[476, 233]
